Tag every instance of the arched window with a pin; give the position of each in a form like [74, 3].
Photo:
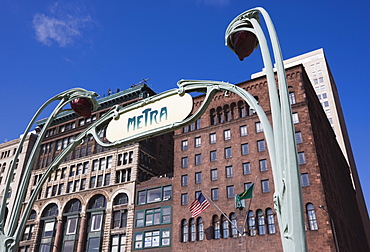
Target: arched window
[234, 226]
[311, 215]
[220, 116]
[225, 227]
[227, 113]
[241, 109]
[261, 222]
[232, 110]
[121, 199]
[216, 227]
[95, 230]
[251, 224]
[71, 220]
[120, 211]
[270, 221]
[213, 117]
[184, 230]
[48, 227]
[200, 227]
[193, 231]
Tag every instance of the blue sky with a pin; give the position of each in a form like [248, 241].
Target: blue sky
[47, 47]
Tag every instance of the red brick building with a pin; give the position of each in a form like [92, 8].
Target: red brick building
[225, 151]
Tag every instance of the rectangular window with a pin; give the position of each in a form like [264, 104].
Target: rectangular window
[243, 130]
[259, 127]
[54, 190]
[152, 239]
[298, 137]
[102, 164]
[60, 189]
[118, 243]
[301, 158]
[214, 175]
[265, 186]
[154, 195]
[212, 138]
[184, 162]
[227, 134]
[198, 159]
[304, 179]
[292, 98]
[107, 179]
[86, 168]
[228, 153]
[198, 142]
[230, 191]
[99, 181]
[295, 118]
[213, 156]
[109, 162]
[95, 165]
[246, 168]
[71, 226]
[198, 177]
[184, 180]
[245, 149]
[263, 165]
[96, 221]
[153, 217]
[261, 145]
[197, 193]
[83, 184]
[167, 192]
[72, 171]
[247, 185]
[79, 169]
[70, 187]
[76, 185]
[141, 197]
[214, 194]
[92, 182]
[229, 171]
[184, 145]
[184, 199]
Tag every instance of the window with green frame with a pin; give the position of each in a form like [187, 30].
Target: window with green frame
[154, 216]
[153, 195]
[152, 239]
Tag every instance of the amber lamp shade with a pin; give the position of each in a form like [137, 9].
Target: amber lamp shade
[244, 43]
[82, 107]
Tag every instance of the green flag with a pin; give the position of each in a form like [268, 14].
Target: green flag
[247, 194]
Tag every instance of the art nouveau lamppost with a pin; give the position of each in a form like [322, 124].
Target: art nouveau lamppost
[83, 102]
[242, 36]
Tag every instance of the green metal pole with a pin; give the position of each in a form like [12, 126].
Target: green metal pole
[288, 196]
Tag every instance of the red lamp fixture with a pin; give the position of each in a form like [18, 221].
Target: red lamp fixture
[82, 107]
[244, 43]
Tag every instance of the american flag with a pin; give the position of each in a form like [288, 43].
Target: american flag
[198, 206]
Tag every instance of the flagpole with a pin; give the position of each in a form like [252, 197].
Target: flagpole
[249, 206]
[227, 218]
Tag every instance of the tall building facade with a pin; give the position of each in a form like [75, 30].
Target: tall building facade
[322, 80]
[7, 152]
[226, 153]
[87, 204]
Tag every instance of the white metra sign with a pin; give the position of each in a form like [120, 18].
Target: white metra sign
[169, 110]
